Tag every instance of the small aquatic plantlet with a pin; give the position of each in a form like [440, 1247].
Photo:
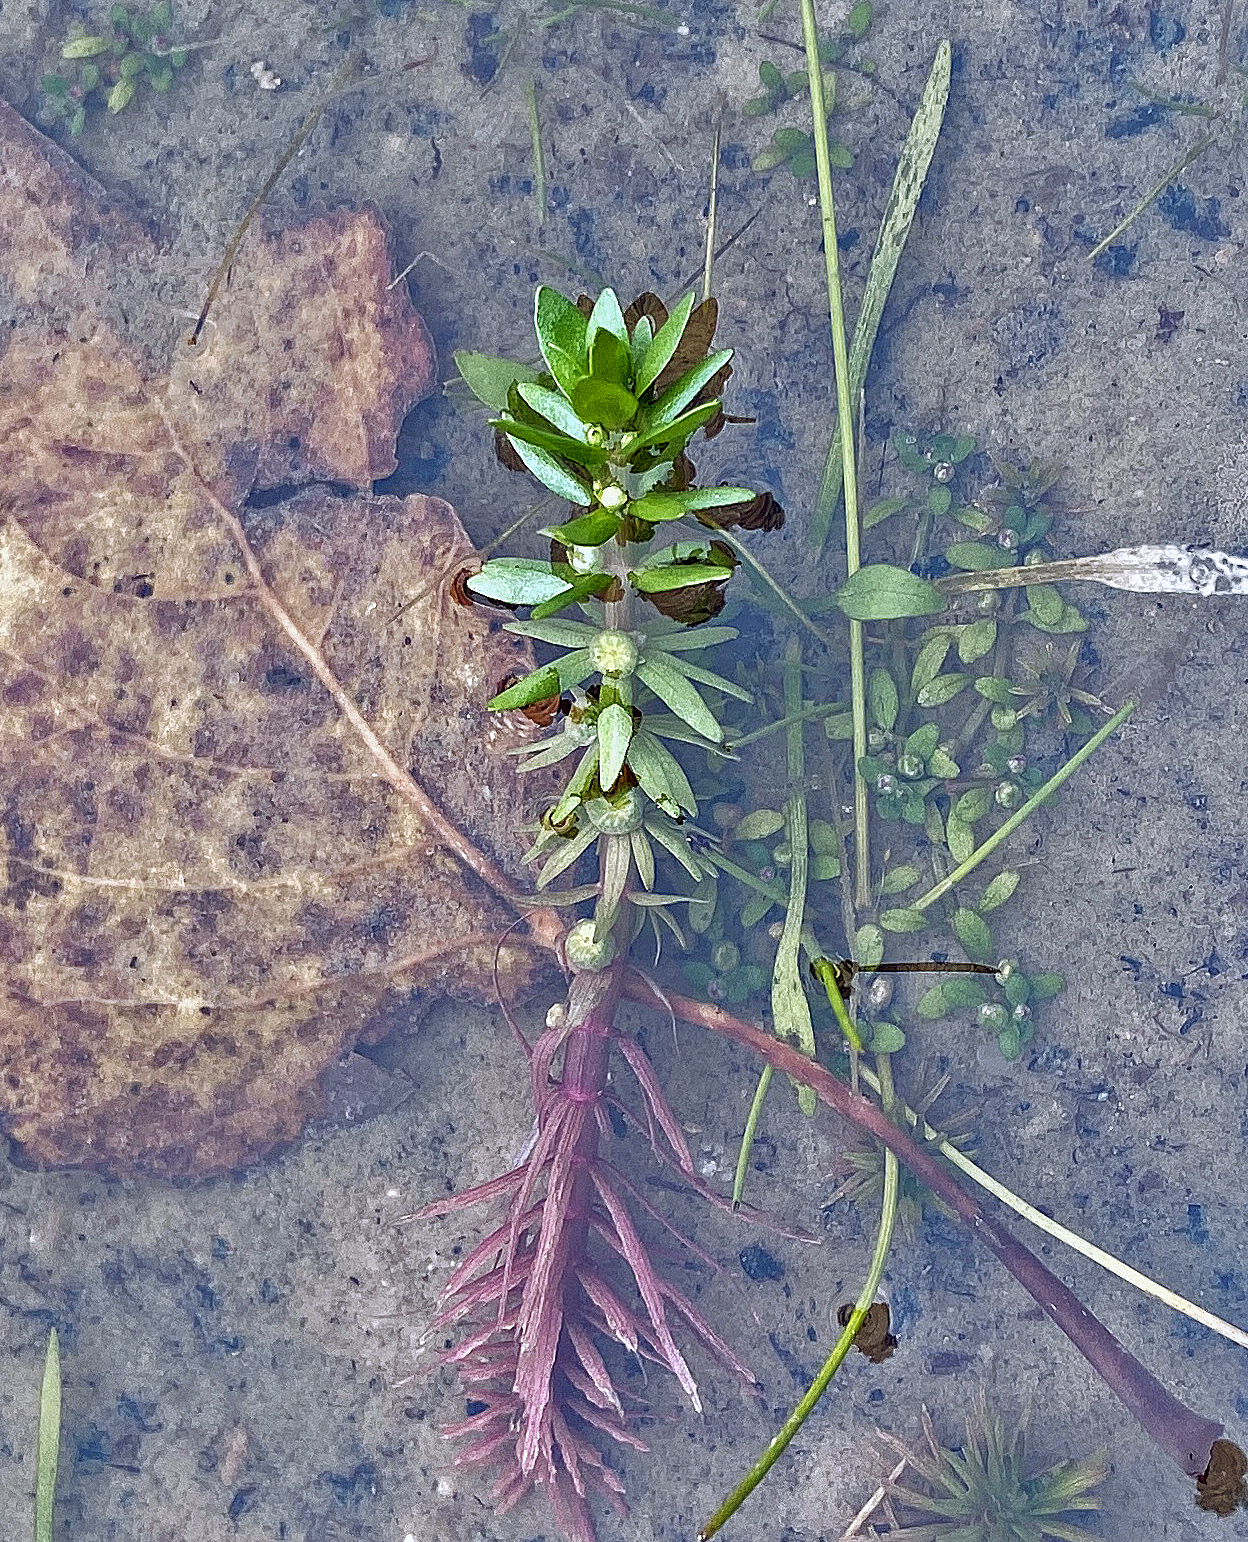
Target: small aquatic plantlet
[111, 65]
[983, 1491]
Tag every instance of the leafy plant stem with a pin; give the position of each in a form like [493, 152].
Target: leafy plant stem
[1184, 1435]
[1063, 1234]
[844, 417]
[805, 1407]
[1027, 809]
[48, 1444]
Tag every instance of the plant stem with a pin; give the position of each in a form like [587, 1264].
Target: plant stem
[748, 1134]
[1184, 1435]
[47, 1450]
[539, 160]
[831, 1365]
[1158, 187]
[844, 414]
[1028, 808]
[1060, 1233]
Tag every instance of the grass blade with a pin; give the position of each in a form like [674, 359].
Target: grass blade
[47, 1451]
[916, 157]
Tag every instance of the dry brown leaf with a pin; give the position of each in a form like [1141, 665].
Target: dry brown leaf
[239, 810]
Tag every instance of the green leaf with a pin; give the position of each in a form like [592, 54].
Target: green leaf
[592, 529]
[959, 837]
[994, 689]
[880, 510]
[754, 909]
[538, 686]
[48, 1439]
[84, 47]
[1070, 620]
[657, 507]
[643, 336]
[658, 580]
[682, 428]
[666, 340]
[78, 122]
[859, 19]
[701, 676]
[516, 581]
[978, 556]
[121, 95]
[554, 407]
[615, 732]
[608, 317]
[941, 690]
[973, 805]
[881, 592]
[551, 441]
[927, 665]
[1017, 989]
[904, 920]
[1010, 1041]
[490, 378]
[942, 765]
[823, 839]
[1046, 985]
[604, 402]
[562, 334]
[659, 774]
[674, 400]
[758, 824]
[923, 741]
[674, 691]
[977, 639]
[824, 867]
[869, 946]
[965, 990]
[999, 890]
[973, 933]
[939, 499]
[578, 589]
[550, 473]
[610, 360]
[886, 1039]
[131, 66]
[159, 75]
[56, 85]
[690, 642]
[933, 1003]
[882, 699]
[1045, 603]
[900, 878]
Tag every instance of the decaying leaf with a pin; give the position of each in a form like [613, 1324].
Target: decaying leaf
[240, 811]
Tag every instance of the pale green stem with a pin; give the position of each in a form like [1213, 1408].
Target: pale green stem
[1028, 808]
[844, 412]
[48, 1443]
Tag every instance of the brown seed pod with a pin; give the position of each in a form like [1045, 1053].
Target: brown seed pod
[873, 1338]
[505, 452]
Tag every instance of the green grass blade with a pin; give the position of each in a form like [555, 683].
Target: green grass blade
[48, 1448]
[916, 157]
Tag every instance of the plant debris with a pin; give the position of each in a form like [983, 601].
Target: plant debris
[242, 817]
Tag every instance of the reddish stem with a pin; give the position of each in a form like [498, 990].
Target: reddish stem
[1184, 1435]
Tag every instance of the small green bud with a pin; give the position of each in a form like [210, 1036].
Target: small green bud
[993, 1016]
[910, 766]
[613, 653]
[612, 497]
[1005, 969]
[585, 559]
[782, 855]
[585, 951]
[1021, 1012]
[885, 783]
[943, 470]
[988, 604]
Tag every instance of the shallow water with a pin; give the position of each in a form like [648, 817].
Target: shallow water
[238, 1352]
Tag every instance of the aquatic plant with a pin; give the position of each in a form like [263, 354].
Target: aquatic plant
[606, 426]
[983, 1491]
[109, 66]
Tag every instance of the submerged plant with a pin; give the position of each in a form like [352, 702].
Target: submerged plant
[984, 1492]
[109, 66]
